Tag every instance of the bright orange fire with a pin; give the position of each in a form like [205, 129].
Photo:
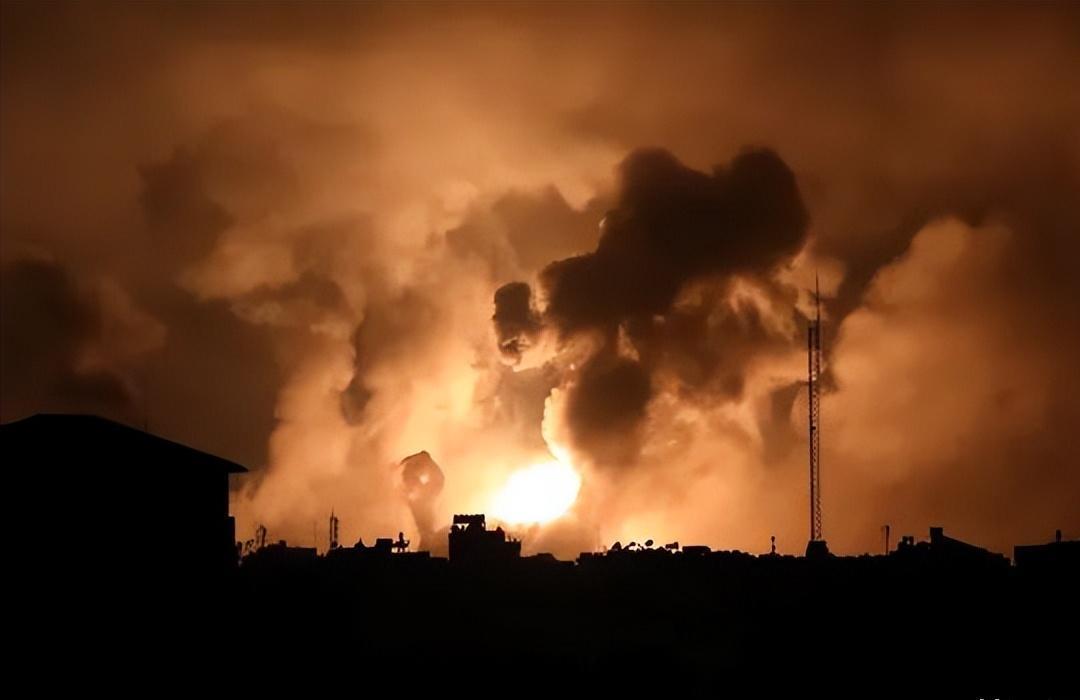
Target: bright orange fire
[538, 493]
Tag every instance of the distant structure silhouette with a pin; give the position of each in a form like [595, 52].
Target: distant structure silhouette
[675, 605]
[942, 549]
[1057, 558]
[471, 542]
[816, 546]
[333, 538]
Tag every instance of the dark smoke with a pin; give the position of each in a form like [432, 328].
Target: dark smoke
[516, 321]
[422, 481]
[521, 232]
[671, 226]
[607, 405]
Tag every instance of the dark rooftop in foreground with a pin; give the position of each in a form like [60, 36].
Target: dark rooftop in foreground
[45, 429]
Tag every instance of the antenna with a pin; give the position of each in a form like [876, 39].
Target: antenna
[333, 530]
[813, 372]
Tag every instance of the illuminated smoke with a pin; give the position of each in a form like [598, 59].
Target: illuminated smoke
[671, 226]
[303, 218]
[422, 481]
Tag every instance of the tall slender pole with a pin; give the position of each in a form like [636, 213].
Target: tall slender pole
[813, 369]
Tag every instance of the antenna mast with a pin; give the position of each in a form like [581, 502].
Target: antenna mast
[813, 359]
[333, 530]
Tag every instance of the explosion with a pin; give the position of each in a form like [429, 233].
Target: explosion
[537, 494]
[280, 241]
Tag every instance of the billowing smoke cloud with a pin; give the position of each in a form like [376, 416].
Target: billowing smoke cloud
[949, 314]
[671, 225]
[303, 214]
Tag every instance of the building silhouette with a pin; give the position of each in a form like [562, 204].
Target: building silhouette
[941, 549]
[127, 532]
[124, 494]
[471, 542]
[1057, 558]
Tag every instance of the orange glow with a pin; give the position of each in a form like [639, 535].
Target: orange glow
[538, 493]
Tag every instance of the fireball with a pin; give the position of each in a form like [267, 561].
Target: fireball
[538, 493]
